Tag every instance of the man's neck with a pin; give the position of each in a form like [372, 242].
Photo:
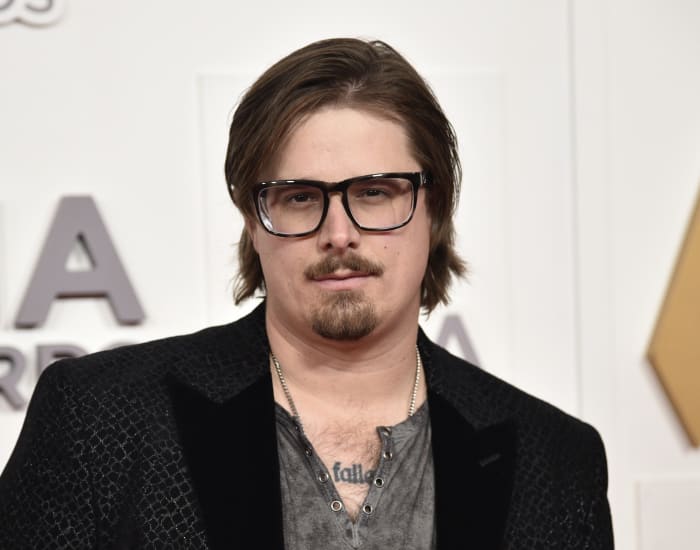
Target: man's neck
[372, 377]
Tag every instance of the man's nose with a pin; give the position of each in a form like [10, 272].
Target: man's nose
[338, 230]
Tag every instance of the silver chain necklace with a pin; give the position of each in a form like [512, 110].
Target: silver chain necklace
[293, 407]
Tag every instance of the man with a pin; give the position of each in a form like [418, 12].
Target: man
[325, 419]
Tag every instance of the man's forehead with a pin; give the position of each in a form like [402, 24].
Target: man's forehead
[336, 143]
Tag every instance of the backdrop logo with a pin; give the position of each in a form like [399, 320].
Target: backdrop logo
[31, 12]
[674, 350]
[77, 222]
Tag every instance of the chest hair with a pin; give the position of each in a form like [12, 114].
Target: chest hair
[345, 446]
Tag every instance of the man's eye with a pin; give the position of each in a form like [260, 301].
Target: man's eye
[295, 198]
[299, 197]
[376, 192]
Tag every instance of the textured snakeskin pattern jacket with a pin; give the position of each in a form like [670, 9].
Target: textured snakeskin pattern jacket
[171, 444]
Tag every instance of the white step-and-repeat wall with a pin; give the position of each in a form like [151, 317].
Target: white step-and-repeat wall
[579, 127]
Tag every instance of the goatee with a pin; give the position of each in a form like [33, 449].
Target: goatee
[345, 314]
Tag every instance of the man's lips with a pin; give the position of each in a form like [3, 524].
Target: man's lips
[344, 269]
[342, 280]
[341, 276]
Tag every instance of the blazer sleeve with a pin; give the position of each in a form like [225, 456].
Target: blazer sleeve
[594, 511]
[45, 489]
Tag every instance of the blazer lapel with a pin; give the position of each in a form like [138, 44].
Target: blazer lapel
[224, 410]
[231, 451]
[473, 478]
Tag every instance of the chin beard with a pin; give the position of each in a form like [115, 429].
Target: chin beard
[344, 315]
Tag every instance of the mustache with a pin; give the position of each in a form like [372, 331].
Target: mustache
[351, 261]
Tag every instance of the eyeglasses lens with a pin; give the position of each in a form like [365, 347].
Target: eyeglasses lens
[374, 203]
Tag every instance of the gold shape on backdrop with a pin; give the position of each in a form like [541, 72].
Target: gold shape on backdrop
[674, 351]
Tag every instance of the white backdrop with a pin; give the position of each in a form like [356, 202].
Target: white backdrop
[579, 132]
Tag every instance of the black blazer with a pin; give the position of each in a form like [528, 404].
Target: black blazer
[171, 444]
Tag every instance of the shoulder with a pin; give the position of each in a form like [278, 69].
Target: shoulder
[148, 364]
[484, 399]
[559, 460]
[137, 362]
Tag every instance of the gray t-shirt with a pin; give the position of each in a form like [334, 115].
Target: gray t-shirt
[398, 511]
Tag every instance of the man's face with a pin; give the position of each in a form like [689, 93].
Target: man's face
[343, 283]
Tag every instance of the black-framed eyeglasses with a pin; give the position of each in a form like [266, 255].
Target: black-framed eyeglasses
[376, 202]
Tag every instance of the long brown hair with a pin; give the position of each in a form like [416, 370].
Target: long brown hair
[370, 76]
